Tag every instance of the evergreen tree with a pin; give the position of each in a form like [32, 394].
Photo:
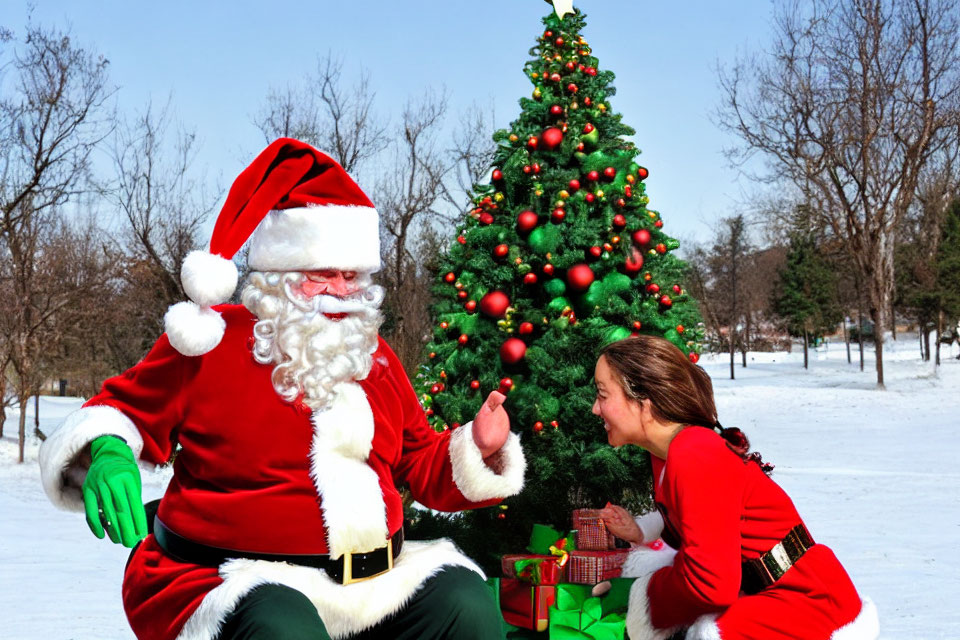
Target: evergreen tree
[947, 269]
[806, 294]
[559, 256]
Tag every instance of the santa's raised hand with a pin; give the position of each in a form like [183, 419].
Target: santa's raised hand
[492, 425]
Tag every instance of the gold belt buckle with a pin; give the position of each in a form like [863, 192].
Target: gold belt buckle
[348, 566]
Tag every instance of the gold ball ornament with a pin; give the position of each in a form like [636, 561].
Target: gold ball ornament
[498, 197]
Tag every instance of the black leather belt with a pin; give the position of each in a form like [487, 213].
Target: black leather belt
[760, 573]
[348, 568]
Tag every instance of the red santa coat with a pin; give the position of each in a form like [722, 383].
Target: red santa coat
[724, 511]
[259, 474]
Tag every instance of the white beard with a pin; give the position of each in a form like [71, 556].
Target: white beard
[312, 353]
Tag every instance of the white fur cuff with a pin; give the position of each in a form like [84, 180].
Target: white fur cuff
[641, 564]
[478, 482]
[866, 626]
[651, 524]
[61, 472]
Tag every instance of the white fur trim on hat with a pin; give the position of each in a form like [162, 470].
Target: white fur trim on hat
[478, 482]
[641, 564]
[351, 498]
[312, 238]
[866, 626]
[208, 279]
[61, 469]
[345, 610]
[193, 330]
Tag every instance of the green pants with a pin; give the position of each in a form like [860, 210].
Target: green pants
[454, 603]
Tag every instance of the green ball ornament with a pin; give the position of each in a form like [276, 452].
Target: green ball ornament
[591, 139]
[596, 295]
[673, 336]
[616, 282]
[555, 287]
[613, 334]
[537, 240]
[558, 304]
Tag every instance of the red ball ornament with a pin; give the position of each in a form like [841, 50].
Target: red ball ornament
[591, 71]
[548, 34]
[462, 294]
[658, 224]
[677, 290]
[497, 174]
[512, 351]
[610, 173]
[428, 412]
[595, 252]
[463, 339]
[666, 301]
[551, 138]
[461, 240]
[571, 65]
[619, 221]
[450, 277]
[574, 185]
[471, 306]
[532, 142]
[680, 328]
[526, 328]
[587, 128]
[558, 215]
[501, 516]
[548, 269]
[694, 357]
[538, 426]
[580, 147]
[633, 263]
[444, 325]
[554, 424]
[589, 197]
[501, 251]
[527, 168]
[642, 173]
[435, 389]
[530, 278]
[474, 384]
[558, 42]
[486, 218]
[536, 167]
[579, 277]
[526, 221]
[556, 110]
[641, 237]
[653, 287]
[621, 202]
[555, 77]
[505, 385]
[572, 88]
[593, 176]
[661, 248]
[494, 304]
[637, 325]
[628, 191]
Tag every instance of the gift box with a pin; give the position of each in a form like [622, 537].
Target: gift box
[533, 568]
[592, 534]
[525, 605]
[577, 613]
[591, 567]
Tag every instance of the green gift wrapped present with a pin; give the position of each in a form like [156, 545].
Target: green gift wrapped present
[579, 614]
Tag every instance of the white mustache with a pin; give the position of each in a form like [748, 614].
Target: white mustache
[333, 304]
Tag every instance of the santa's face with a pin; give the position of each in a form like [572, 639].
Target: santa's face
[331, 282]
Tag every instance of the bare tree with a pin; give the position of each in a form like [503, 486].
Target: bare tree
[727, 264]
[163, 202]
[336, 119]
[848, 104]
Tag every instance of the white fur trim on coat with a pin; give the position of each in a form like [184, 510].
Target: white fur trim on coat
[61, 470]
[705, 628]
[321, 237]
[193, 330]
[208, 279]
[641, 564]
[478, 482]
[866, 626]
[351, 498]
[651, 525]
[345, 610]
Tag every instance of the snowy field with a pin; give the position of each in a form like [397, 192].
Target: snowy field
[874, 474]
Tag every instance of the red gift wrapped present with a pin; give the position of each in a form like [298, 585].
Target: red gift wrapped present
[525, 605]
[535, 569]
[591, 567]
[592, 534]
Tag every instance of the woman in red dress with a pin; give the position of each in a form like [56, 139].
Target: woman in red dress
[740, 564]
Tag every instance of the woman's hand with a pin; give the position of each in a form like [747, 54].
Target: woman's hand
[620, 523]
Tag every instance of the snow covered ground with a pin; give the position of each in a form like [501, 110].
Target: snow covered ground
[874, 474]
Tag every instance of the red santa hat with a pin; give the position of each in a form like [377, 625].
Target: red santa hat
[300, 211]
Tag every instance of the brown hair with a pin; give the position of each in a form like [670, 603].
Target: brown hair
[654, 368]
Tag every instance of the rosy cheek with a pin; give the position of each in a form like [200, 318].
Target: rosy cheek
[311, 288]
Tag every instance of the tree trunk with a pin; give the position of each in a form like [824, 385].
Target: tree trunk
[893, 320]
[860, 323]
[846, 337]
[22, 398]
[745, 342]
[939, 334]
[923, 357]
[732, 351]
[926, 343]
[3, 406]
[806, 343]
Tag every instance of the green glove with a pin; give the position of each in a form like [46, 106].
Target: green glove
[112, 488]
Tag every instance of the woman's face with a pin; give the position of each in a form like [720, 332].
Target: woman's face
[621, 414]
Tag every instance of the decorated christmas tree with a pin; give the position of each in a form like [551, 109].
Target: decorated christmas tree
[559, 255]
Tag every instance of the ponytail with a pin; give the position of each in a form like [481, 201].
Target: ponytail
[738, 442]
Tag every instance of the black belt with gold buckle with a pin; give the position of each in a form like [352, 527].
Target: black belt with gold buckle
[348, 568]
[760, 573]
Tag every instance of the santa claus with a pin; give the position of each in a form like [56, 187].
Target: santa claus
[293, 424]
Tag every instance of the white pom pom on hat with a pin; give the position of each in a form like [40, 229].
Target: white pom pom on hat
[300, 210]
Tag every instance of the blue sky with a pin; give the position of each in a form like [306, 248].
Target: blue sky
[219, 60]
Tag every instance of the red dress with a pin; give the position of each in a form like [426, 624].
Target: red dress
[259, 474]
[722, 511]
